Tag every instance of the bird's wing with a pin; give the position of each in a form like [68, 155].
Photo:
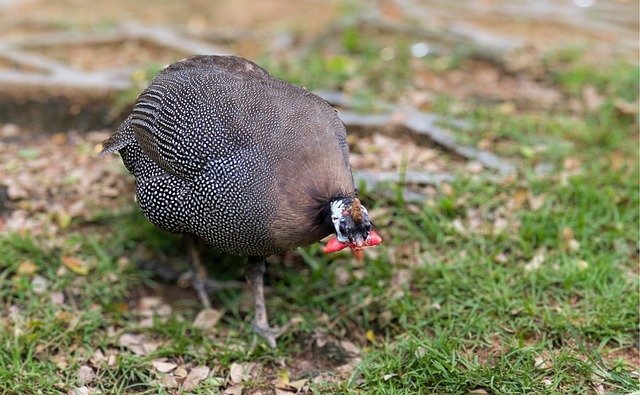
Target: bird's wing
[122, 137]
[188, 115]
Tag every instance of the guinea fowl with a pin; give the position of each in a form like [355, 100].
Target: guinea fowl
[252, 165]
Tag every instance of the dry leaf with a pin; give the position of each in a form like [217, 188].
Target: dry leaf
[168, 381]
[63, 218]
[76, 265]
[135, 343]
[508, 330]
[599, 388]
[84, 391]
[501, 258]
[283, 379]
[57, 298]
[85, 374]
[539, 362]
[112, 360]
[542, 363]
[348, 367]
[235, 389]
[569, 243]
[39, 284]
[519, 199]
[15, 189]
[582, 264]
[64, 316]
[61, 361]
[536, 261]
[148, 303]
[625, 107]
[458, 226]
[27, 268]
[163, 367]
[350, 348]
[298, 384]
[195, 377]
[516, 311]
[536, 202]
[146, 322]
[97, 357]
[321, 338]
[180, 373]
[207, 319]
[238, 372]
[370, 336]
[573, 245]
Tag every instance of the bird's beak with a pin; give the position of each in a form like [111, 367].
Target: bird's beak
[358, 248]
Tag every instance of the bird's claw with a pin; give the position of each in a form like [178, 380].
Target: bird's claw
[270, 334]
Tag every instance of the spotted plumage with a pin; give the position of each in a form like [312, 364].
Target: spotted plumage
[251, 164]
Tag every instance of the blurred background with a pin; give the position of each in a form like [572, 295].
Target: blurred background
[72, 67]
[495, 144]
[396, 51]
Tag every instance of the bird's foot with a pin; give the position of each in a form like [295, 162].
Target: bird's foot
[270, 334]
[255, 273]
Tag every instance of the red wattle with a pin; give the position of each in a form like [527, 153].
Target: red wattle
[334, 245]
[373, 239]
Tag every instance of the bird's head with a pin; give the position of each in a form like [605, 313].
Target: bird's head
[352, 226]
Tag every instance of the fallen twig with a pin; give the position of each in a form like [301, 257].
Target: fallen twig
[424, 124]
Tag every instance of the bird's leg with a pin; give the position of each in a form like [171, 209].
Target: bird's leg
[255, 274]
[200, 280]
[200, 276]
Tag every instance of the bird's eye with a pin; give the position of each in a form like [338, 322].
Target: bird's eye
[343, 228]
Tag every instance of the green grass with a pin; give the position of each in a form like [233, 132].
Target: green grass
[464, 321]
[563, 310]
[473, 290]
